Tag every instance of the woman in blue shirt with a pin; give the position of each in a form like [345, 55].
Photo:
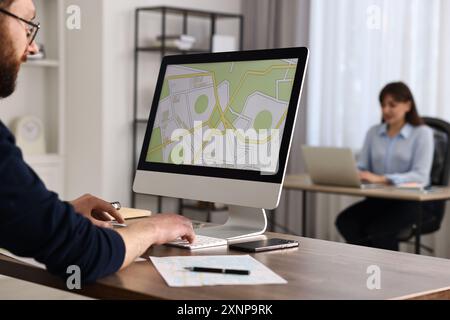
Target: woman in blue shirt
[398, 151]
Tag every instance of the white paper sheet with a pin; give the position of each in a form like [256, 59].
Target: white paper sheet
[172, 269]
[30, 261]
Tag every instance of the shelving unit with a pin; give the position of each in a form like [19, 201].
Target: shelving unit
[176, 20]
[42, 63]
[41, 93]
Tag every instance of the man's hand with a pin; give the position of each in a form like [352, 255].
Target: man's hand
[168, 227]
[158, 229]
[96, 210]
[372, 178]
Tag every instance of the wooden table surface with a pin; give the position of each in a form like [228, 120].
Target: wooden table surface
[303, 183]
[316, 270]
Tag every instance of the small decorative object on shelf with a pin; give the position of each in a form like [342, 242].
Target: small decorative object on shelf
[185, 42]
[182, 42]
[40, 55]
[224, 43]
[30, 135]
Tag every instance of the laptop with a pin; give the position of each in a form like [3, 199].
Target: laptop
[333, 166]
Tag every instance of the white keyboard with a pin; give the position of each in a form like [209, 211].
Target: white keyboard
[199, 243]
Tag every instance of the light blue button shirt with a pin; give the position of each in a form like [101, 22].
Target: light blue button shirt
[407, 157]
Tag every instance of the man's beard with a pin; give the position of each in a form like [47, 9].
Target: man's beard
[9, 65]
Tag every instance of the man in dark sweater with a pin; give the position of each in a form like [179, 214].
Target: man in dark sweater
[33, 221]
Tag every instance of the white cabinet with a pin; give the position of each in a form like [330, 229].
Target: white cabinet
[50, 168]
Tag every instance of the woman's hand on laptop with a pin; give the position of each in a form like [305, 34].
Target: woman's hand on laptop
[96, 210]
[370, 177]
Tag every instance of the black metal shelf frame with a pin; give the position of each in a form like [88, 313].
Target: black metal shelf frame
[163, 50]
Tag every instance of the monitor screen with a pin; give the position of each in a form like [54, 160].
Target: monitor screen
[218, 116]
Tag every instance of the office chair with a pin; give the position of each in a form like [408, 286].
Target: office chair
[433, 212]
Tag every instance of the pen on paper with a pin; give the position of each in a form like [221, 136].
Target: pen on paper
[218, 270]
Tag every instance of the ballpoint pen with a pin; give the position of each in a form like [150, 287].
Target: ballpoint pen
[218, 270]
[116, 205]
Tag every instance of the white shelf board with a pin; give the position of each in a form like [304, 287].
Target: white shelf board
[46, 63]
[43, 159]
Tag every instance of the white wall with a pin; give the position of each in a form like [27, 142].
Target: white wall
[101, 90]
[84, 116]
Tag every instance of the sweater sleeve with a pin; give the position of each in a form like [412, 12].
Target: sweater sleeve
[35, 223]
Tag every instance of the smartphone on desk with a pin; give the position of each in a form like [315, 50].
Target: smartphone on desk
[264, 245]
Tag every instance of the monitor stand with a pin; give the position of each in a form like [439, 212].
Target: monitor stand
[242, 222]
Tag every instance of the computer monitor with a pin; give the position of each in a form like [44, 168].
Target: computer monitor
[220, 130]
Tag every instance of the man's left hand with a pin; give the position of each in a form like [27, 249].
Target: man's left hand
[96, 210]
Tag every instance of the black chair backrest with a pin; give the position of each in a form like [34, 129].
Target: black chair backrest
[441, 160]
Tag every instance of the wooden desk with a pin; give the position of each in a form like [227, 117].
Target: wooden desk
[303, 183]
[316, 270]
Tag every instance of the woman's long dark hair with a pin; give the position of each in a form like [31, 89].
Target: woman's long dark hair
[400, 92]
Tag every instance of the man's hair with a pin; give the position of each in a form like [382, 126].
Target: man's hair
[5, 3]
